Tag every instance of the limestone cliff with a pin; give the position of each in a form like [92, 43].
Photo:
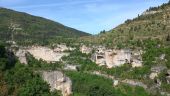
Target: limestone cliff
[58, 81]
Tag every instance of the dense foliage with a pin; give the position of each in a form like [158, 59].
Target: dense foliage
[20, 80]
[92, 85]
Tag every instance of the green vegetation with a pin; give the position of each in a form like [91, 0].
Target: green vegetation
[42, 65]
[92, 85]
[20, 80]
[149, 32]
[153, 25]
[27, 29]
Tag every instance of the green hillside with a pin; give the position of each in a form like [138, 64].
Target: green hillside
[23, 27]
[153, 23]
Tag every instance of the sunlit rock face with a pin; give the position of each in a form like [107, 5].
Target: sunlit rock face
[71, 67]
[168, 76]
[21, 54]
[120, 57]
[46, 54]
[113, 58]
[39, 52]
[58, 81]
[85, 49]
[136, 58]
[62, 48]
[156, 70]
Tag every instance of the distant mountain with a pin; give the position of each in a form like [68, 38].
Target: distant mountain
[153, 23]
[20, 26]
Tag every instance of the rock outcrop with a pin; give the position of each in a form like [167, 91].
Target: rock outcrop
[135, 83]
[155, 71]
[39, 52]
[71, 67]
[46, 54]
[113, 58]
[58, 81]
[21, 54]
[168, 76]
[85, 49]
[150, 12]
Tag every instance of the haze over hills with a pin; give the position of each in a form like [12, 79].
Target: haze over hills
[24, 27]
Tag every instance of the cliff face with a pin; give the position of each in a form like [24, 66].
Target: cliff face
[112, 58]
[44, 53]
[58, 81]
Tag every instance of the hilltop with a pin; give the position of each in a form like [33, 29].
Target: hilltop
[153, 23]
[19, 26]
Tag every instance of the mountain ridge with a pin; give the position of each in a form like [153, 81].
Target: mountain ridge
[24, 26]
[153, 23]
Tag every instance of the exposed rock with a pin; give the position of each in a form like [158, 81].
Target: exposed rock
[136, 58]
[99, 59]
[135, 83]
[168, 77]
[113, 58]
[71, 67]
[101, 74]
[162, 57]
[165, 94]
[115, 83]
[62, 48]
[117, 80]
[46, 54]
[85, 49]
[156, 70]
[57, 80]
[100, 49]
[136, 63]
[40, 52]
[153, 75]
[21, 54]
[150, 12]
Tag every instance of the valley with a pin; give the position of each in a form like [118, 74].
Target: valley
[40, 57]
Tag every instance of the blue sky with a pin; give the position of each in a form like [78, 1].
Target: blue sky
[90, 16]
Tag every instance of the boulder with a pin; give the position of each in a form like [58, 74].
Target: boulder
[153, 75]
[58, 81]
[21, 54]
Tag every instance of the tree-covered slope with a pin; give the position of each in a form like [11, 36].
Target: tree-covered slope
[24, 27]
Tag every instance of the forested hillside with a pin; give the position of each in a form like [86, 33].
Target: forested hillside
[25, 28]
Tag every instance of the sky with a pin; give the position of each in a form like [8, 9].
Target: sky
[90, 16]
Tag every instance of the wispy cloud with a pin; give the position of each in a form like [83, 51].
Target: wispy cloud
[55, 4]
[87, 15]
